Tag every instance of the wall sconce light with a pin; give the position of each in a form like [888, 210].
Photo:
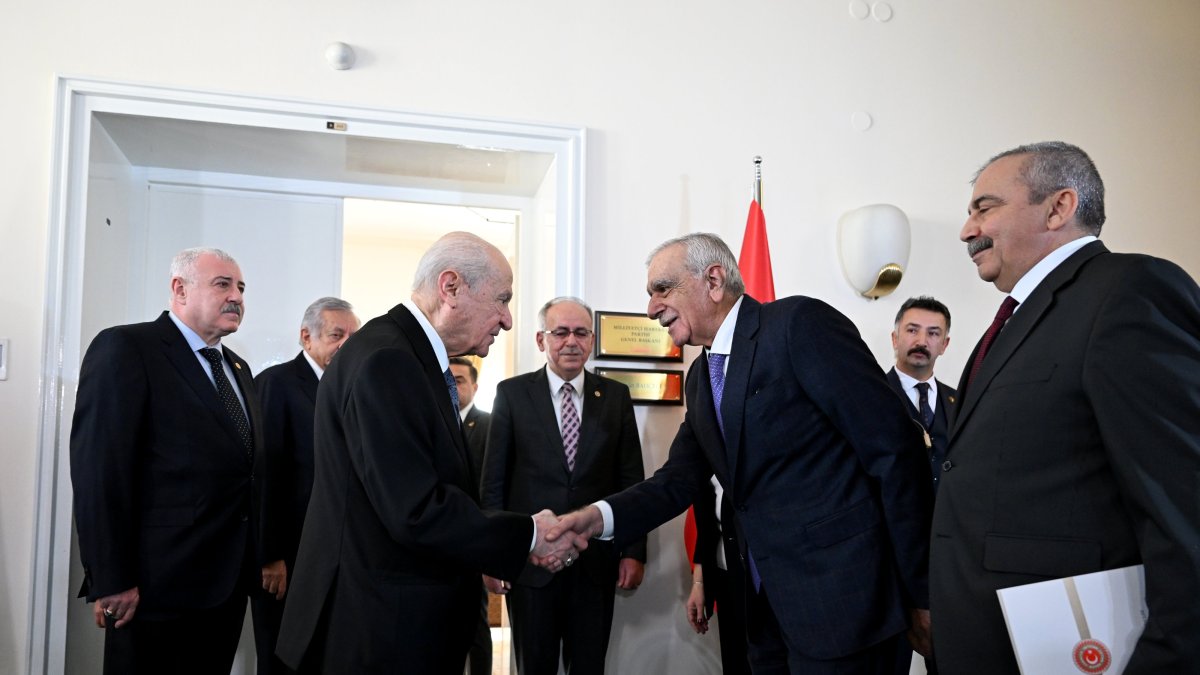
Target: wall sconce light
[339, 55]
[873, 244]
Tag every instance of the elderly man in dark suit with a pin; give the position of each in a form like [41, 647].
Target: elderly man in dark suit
[1077, 442]
[475, 426]
[387, 577]
[822, 464]
[167, 462]
[921, 335]
[562, 437]
[288, 393]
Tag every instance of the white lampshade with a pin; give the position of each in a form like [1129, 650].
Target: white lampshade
[873, 244]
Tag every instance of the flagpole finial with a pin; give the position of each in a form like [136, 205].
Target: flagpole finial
[758, 179]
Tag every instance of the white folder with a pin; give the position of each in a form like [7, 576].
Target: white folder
[1048, 620]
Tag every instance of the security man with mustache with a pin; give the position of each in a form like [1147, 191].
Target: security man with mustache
[921, 334]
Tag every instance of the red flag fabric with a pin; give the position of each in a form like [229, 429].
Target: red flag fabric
[755, 265]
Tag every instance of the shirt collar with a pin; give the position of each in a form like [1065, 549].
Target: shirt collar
[1025, 287]
[723, 340]
[317, 370]
[462, 414]
[435, 340]
[556, 382]
[195, 342]
[908, 382]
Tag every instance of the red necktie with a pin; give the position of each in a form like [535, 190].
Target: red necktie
[1002, 316]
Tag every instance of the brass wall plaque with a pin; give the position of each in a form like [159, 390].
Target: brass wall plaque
[648, 387]
[633, 336]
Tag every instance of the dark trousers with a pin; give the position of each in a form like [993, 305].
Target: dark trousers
[268, 614]
[480, 656]
[201, 642]
[572, 610]
[727, 589]
[769, 654]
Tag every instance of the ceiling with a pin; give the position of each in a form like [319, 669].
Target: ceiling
[307, 155]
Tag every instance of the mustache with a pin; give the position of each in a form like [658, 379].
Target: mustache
[919, 350]
[232, 307]
[978, 244]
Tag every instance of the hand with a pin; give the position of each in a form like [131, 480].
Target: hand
[274, 578]
[586, 523]
[695, 608]
[920, 634]
[557, 554]
[630, 574]
[120, 608]
[495, 585]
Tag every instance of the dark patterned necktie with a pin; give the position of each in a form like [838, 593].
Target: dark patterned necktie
[229, 398]
[570, 424]
[453, 394]
[1002, 316]
[923, 405]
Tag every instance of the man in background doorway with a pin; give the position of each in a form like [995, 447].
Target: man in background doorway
[167, 466]
[475, 427]
[921, 335]
[562, 437]
[288, 392]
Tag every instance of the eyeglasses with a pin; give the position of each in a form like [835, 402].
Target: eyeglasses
[562, 333]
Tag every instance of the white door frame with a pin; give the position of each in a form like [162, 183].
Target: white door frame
[76, 100]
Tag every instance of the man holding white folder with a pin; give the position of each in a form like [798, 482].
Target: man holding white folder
[1076, 446]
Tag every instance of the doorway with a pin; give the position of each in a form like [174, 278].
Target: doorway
[142, 172]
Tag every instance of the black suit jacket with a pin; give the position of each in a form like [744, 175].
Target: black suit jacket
[525, 469]
[387, 578]
[475, 427]
[943, 417]
[288, 393]
[823, 466]
[1077, 449]
[166, 497]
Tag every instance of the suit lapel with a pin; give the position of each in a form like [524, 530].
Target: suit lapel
[894, 379]
[737, 379]
[435, 378]
[1027, 316]
[245, 382]
[589, 428]
[306, 376]
[542, 405]
[704, 419]
[187, 364]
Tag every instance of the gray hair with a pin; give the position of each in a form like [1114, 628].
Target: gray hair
[183, 265]
[1055, 165]
[559, 300]
[702, 250]
[462, 252]
[314, 316]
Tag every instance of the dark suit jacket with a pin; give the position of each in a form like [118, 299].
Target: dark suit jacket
[387, 578]
[943, 417]
[475, 427]
[1077, 449]
[710, 535]
[288, 392]
[525, 469]
[824, 468]
[166, 498]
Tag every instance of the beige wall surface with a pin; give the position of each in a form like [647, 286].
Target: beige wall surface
[677, 96]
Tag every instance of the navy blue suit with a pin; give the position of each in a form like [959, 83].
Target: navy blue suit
[823, 467]
[943, 417]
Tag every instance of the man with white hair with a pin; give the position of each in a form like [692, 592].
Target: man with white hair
[387, 577]
[167, 463]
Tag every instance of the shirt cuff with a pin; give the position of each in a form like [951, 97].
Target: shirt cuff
[533, 543]
[607, 514]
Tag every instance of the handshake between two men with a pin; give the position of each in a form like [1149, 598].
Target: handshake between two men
[559, 541]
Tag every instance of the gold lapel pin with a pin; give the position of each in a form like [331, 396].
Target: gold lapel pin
[596, 393]
[238, 366]
[950, 398]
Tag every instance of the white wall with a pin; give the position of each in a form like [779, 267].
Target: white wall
[677, 96]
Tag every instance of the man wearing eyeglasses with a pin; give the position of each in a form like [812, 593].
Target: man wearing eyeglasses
[561, 438]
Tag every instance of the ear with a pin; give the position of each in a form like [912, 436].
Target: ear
[714, 282]
[449, 286]
[541, 341]
[178, 290]
[305, 336]
[1063, 205]
[895, 341]
[945, 343]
